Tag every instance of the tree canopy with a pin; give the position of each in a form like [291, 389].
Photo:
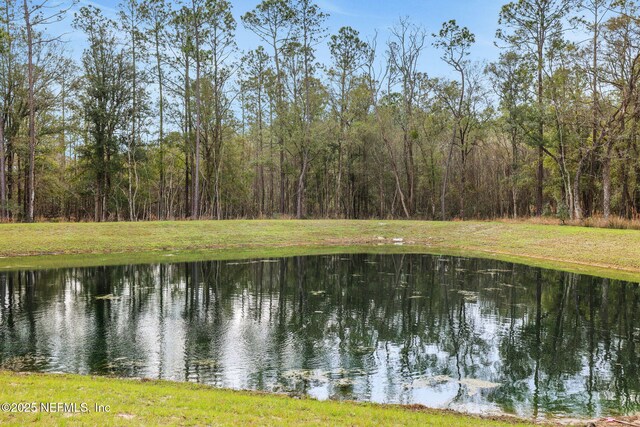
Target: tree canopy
[164, 117]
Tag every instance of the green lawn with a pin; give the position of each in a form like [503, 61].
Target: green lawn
[606, 252]
[135, 403]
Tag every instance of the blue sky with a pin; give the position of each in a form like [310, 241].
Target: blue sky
[366, 16]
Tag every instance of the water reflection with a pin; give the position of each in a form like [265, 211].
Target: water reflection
[466, 334]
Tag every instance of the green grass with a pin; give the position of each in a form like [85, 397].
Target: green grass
[135, 403]
[605, 252]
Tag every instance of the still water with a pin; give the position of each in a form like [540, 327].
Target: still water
[466, 334]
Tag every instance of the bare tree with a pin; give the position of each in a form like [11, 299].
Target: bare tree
[376, 79]
[405, 47]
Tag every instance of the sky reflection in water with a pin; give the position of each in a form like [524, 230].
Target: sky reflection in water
[467, 334]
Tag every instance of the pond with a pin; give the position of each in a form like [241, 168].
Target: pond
[472, 335]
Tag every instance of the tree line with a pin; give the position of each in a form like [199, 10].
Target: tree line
[164, 117]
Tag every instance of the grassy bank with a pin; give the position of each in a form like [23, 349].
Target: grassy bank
[135, 403]
[606, 252]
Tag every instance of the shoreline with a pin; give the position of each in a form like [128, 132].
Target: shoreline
[609, 253]
[301, 410]
[39, 387]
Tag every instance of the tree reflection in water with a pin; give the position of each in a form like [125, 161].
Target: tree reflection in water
[466, 334]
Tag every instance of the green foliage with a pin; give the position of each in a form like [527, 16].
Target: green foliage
[455, 42]
[563, 213]
[367, 134]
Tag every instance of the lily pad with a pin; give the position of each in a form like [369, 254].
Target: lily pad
[108, 297]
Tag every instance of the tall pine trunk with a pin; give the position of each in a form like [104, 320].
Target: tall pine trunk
[30, 190]
[606, 184]
[195, 203]
[540, 169]
[161, 198]
[3, 188]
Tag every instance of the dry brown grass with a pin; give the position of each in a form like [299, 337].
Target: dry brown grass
[617, 223]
